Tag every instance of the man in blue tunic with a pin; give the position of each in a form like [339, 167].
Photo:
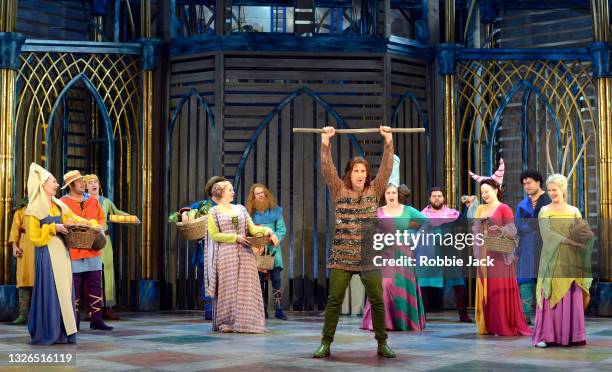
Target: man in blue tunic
[530, 241]
[262, 207]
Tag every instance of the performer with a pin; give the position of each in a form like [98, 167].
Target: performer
[200, 256]
[234, 284]
[23, 251]
[52, 317]
[471, 203]
[401, 293]
[530, 241]
[498, 303]
[434, 277]
[356, 198]
[92, 184]
[86, 263]
[262, 208]
[564, 276]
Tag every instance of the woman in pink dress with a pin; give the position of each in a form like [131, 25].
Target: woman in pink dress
[564, 276]
[401, 293]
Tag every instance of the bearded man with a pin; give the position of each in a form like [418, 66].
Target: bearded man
[433, 277]
[262, 207]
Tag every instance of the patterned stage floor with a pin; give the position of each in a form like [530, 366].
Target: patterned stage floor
[182, 341]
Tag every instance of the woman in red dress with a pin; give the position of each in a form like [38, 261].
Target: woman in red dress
[498, 302]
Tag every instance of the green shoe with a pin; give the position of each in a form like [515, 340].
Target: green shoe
[21, 319]
[322, 352]
[385, 351]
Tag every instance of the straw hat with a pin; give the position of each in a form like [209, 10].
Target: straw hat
[70, 177]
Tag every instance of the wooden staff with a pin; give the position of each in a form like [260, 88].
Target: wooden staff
[361, 130]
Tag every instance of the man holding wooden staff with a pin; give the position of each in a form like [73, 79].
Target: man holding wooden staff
[356, 197]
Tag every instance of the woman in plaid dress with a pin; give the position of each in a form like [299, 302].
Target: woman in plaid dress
[234, 281]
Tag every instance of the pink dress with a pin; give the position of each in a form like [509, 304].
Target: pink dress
[401, 293]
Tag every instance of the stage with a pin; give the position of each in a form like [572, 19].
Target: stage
[182, 341]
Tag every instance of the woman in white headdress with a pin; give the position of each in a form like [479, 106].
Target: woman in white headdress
[52, 317]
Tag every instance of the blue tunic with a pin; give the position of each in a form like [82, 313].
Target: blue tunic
[273, 218]
[45, 323]
[530, 240]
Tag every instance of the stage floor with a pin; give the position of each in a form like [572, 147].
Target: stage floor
[182, 341]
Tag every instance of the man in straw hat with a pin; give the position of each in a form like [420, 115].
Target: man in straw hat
[86, 263]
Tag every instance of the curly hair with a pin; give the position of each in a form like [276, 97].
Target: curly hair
[250, 202]
[534, 175]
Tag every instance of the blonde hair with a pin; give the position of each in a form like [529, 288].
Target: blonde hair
[560, 181]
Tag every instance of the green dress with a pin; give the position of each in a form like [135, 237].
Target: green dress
[107, 254]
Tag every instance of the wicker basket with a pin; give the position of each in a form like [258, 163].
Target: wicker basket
[100, 242]
[265, 262]
[499, 244]
[259, 240]
[194, 229]
[80, 236]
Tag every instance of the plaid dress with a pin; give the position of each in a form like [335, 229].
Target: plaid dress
[234, 281]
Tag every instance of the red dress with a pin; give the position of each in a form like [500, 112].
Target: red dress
[498, 302]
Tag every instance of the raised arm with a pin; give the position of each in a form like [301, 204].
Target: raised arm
[386, 165]
[330, 173]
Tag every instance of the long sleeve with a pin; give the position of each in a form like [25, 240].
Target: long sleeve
[523, 226]
[385, 169]
[416, 216]
[508, 227]
[280, 229]
[549, 235]
[114, 210]
[16, 227]
[39, 235]
[100, 216]
[330, 174]
[216, 235]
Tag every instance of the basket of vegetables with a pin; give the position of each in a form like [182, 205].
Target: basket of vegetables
[196, 227]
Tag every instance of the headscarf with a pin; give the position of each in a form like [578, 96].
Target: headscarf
[38, 205]
[91, 177]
